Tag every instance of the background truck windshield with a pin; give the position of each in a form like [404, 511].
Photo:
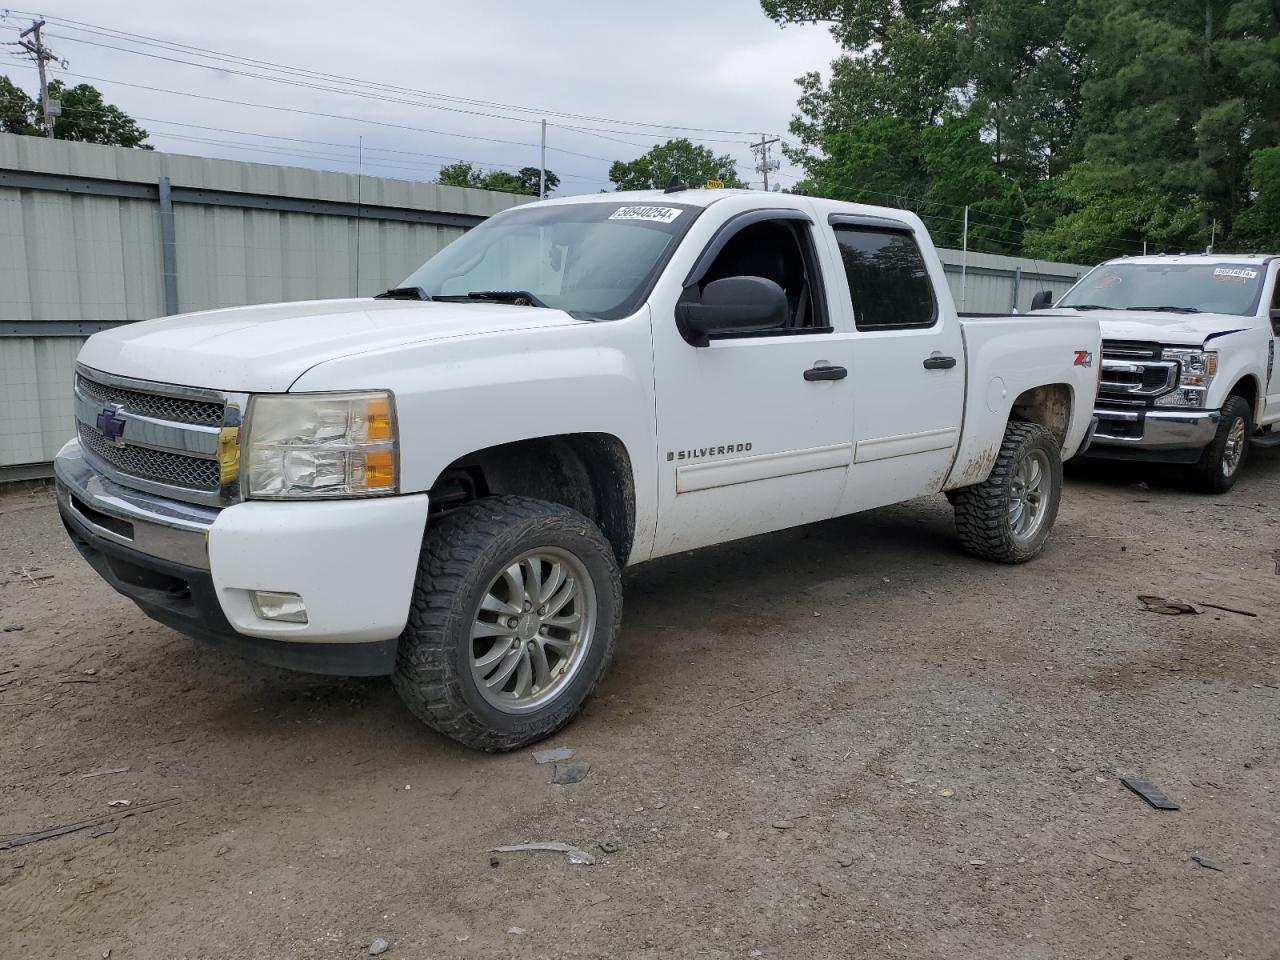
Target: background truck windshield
[599, 259]
[1195, 287]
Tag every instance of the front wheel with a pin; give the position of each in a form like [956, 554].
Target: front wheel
[1220, 464]
[514, 615]
[1007, 517]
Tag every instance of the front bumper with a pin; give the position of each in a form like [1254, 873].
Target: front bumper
[1171, 436]
[194, 568]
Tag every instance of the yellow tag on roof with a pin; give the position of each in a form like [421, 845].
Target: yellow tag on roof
[714, 185]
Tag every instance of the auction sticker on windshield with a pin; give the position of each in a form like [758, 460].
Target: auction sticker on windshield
[1236, 274]
[655, 214]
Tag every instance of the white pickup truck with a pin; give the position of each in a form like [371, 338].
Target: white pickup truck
[1188, 359]
[443, 483]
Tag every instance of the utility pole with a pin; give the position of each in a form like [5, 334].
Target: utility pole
[41, 55]
[542, 164]
[763, 163]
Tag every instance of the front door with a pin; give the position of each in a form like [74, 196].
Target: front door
[749, 443]
[1271, 411]
[908, 368]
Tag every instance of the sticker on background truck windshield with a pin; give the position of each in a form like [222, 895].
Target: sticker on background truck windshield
[1235, 274]
[654, 214]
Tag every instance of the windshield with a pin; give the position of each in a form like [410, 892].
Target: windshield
[1185, 287]
[598, 259]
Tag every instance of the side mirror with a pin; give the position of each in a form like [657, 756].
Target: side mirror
[732, 305]
[1042, 300]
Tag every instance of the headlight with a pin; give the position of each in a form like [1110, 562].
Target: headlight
[313, 445]
[1195, 372]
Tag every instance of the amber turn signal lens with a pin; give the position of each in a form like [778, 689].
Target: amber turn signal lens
[379, 470]
[379, 414]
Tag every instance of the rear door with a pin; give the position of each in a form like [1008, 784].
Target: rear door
[1271, 412]
[908, 362]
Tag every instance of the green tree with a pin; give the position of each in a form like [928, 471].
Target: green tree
[1258, 227]
[466, 174]
[692, 165]
[17, 110]
[87, 117]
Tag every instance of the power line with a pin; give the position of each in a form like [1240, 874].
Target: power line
[210, 54]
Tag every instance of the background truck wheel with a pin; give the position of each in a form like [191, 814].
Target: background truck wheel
[514, 615]
[1008, 516]
[1222, 459]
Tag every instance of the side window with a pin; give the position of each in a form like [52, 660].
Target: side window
[781, 251]
[1275, 306]
[888, 282]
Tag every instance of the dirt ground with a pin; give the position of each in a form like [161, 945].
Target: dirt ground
[845, 740]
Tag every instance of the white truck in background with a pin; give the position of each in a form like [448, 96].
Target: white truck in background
[1188, 359]
[443, 483]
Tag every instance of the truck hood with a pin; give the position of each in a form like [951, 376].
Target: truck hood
[1175, 329]
[266, 348]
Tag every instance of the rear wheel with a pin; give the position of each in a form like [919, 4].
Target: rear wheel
[1220, 464]
[1007, 517]
[515, 612]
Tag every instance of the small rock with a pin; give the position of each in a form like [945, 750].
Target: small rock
[755, 953]
[572, 772]
[609, 846]
[494, 861]
[516, 930]
[119, 803]
[1206, 863]
[223, 851]
[552, 755]
[782, 824]
[14, 628]
[845, 861]
[946, 792]
[977, 863]
[90, 672]
[378, 946]
[722, 834]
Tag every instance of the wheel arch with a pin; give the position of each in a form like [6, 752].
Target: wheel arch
[1247, 388]
[1050, 405]
[588, 472]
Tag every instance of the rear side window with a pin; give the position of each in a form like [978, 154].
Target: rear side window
[888, 283]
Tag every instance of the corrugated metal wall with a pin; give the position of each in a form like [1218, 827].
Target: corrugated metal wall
[83, 245]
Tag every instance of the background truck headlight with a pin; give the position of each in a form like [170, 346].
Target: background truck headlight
[314, 445]
[1196, 370]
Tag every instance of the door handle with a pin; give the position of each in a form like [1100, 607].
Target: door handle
[825, 373]
[939, 363]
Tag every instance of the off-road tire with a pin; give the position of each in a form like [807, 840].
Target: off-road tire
[1207, 474]
[982, 510]
[461, 554]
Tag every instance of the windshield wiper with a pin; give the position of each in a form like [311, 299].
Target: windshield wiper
[1167, 309]
[1084, 306]
[521, 298]
[404, 293]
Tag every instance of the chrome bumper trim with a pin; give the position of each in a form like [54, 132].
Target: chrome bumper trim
[1161, 429]
[160, 527]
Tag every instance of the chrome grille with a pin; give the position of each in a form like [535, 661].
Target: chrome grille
[175, 409]
[1134, 373]
[160, 466]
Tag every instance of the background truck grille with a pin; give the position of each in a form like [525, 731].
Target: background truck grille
[1134, 373]
[175, 409]
[159, 466]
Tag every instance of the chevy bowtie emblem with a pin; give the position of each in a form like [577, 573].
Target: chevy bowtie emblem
[111, 425]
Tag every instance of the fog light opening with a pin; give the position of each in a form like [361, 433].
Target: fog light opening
[281, 607]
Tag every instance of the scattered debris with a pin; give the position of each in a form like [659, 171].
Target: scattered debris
[103, 773]
[104, 829]
[609, 846]
[756, 953]
[763, 696]
[516, 930]
[845, 862]
[494, 861]
[13, 628]
[598, 899]
[1167, 606]
[576, 854]
[120, 803]
[552, 755]
[1113, 857]
[1206, 863]
[22, 839]
[946, 792]
[977, 863]
[572, 772]
[1149, 792]
[1217, 606]
[722, 834]
[378, 946]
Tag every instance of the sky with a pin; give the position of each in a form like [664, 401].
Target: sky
[718, 65]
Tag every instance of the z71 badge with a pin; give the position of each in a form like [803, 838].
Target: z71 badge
[1084, 358]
